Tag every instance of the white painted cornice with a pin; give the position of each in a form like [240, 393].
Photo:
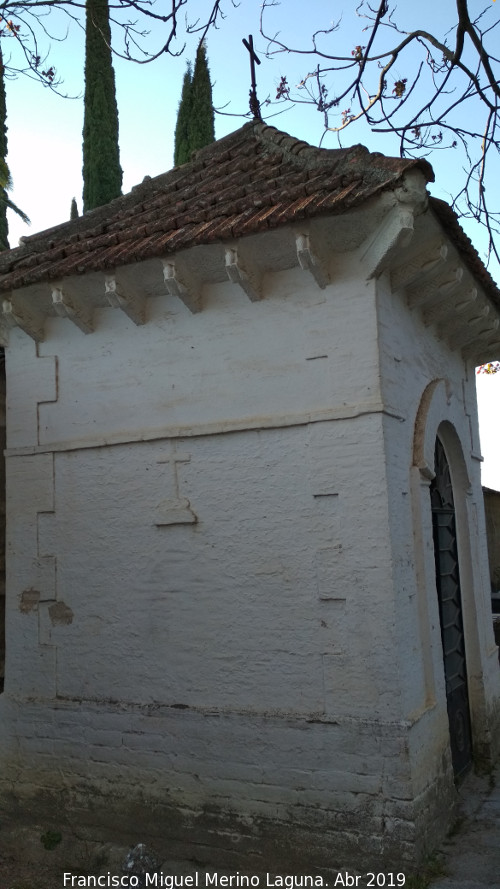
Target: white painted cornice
[395, 235]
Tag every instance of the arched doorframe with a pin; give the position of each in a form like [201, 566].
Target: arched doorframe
[449, 590]
[437, 418]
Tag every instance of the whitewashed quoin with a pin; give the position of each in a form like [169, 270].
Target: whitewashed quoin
[248, 614]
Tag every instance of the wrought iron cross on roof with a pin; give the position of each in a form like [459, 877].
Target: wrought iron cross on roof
[254, 102]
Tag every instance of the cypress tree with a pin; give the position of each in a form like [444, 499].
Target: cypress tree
[5, 177]
[74, 209]
[102, 174]
[201, 129]
[4, 226]
[195, 118]
[181, 144]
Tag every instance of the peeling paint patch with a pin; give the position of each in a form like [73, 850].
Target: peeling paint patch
[28, 600]
[60, 614]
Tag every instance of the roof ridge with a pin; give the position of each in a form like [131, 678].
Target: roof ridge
[219, 145]
[306, 153]
[356, 156]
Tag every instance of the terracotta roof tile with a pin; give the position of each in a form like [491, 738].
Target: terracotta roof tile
[209, 232]
[254, 179]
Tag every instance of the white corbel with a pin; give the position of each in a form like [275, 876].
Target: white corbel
[484, 351]
[310, 262]
[239, 274]
[76, 311]
[392, 236]
[178, 284]
[474, 330]
[479, 314]
[435, 292]
[466, 300]
[17, 316]
[133, 304]
[452, 309]
[420, 268]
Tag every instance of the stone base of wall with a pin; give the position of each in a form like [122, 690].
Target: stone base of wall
[308, 843]
[236, 792]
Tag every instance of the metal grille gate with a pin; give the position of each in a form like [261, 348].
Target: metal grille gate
[450, 613]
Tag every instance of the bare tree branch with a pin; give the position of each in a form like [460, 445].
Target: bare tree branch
[449, 97]
[141, 31]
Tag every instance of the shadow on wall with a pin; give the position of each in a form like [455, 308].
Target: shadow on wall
[492, 510]
[2, 518]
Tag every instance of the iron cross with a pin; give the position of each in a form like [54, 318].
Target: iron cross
[254, 102]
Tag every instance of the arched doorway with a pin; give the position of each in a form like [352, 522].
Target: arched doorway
[450, 612]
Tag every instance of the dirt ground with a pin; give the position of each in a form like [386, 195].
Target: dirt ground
[36, 867]
[27, 865]
[15, 874]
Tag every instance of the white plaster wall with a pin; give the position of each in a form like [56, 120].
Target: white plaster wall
[411, 358]
[277, 599]
[295, 353]
[237, 564]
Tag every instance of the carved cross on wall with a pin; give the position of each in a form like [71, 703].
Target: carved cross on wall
[174, 510]
[254, 102]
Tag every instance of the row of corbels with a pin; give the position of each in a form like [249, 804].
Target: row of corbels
[178, 279]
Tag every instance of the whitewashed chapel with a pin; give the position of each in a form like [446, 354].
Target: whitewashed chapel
[248, 614]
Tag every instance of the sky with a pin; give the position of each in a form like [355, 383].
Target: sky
[44, 129]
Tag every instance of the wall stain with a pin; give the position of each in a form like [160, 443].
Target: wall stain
[28, 600]
[60, 614]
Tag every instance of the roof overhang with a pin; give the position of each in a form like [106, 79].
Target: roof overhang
[397, 233]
